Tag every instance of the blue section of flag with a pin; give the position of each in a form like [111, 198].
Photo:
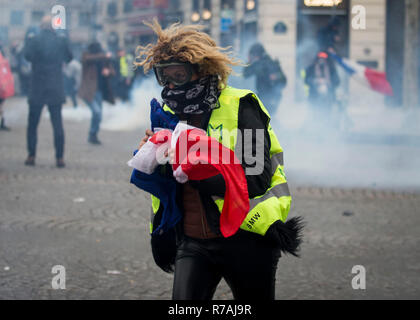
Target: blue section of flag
[159, 185]
[163, 188]
[376, 80]
[341, 62]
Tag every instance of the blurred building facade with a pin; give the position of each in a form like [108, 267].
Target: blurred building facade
[122, 25]
[387, 39]
[17, 16]
[369, 32]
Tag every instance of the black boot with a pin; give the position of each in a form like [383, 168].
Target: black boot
[30, 161]
[60, 163]
[3, 126]
[93, 139]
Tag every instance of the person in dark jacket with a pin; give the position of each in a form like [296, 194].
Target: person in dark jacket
[328, 36]
[21, 65]
[96, 85]
[269, 76]
[193, 73]
[47, 52]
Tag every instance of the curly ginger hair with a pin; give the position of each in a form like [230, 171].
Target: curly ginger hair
[189, 44]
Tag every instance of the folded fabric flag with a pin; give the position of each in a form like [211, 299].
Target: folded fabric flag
[199, 157]
[144, 162]
[160, 118]
[165, 189]
[376, 80]
[152, 152]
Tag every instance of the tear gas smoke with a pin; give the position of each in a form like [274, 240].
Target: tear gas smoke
[360, 143]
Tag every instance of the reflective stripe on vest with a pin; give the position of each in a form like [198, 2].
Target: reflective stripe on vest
[155, 208]
[125, 69]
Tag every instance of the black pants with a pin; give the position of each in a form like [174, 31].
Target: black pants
[57, 124]
[247, 264]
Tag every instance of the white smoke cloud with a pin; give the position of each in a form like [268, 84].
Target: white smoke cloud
[123, 116]
[134, 114]
[368, 145]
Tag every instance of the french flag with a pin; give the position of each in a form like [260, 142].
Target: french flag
[376, 80]
[198, 157]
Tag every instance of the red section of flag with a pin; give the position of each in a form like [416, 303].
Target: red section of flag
[205, 157]
[161, 136]
[378, 81]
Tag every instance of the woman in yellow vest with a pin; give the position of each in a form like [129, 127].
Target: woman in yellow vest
[193, 72]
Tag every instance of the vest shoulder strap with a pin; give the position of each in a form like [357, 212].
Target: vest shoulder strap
[234, 92]
[240, 93]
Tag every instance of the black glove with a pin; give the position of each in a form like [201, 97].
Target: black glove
[164, 250]
[286, 236]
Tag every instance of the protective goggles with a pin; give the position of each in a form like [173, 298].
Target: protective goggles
[177, 73]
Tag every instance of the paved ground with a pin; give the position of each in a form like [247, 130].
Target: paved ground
[88, 218]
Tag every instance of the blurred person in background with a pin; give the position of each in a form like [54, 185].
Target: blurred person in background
[97, 71]
[270, 79]
[2, 50]
[3, 126]
[125, 74]
[72, 78]
[329, 35]
[14, 65]
[6, 86]
[322, 80]
[47, 52]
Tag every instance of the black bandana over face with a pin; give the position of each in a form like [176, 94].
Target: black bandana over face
[195, 97]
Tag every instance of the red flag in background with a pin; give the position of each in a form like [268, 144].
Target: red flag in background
[373, 79]
[378, 81]
[7, 86]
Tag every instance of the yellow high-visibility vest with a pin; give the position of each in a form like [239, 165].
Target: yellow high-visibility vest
[126, 70]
